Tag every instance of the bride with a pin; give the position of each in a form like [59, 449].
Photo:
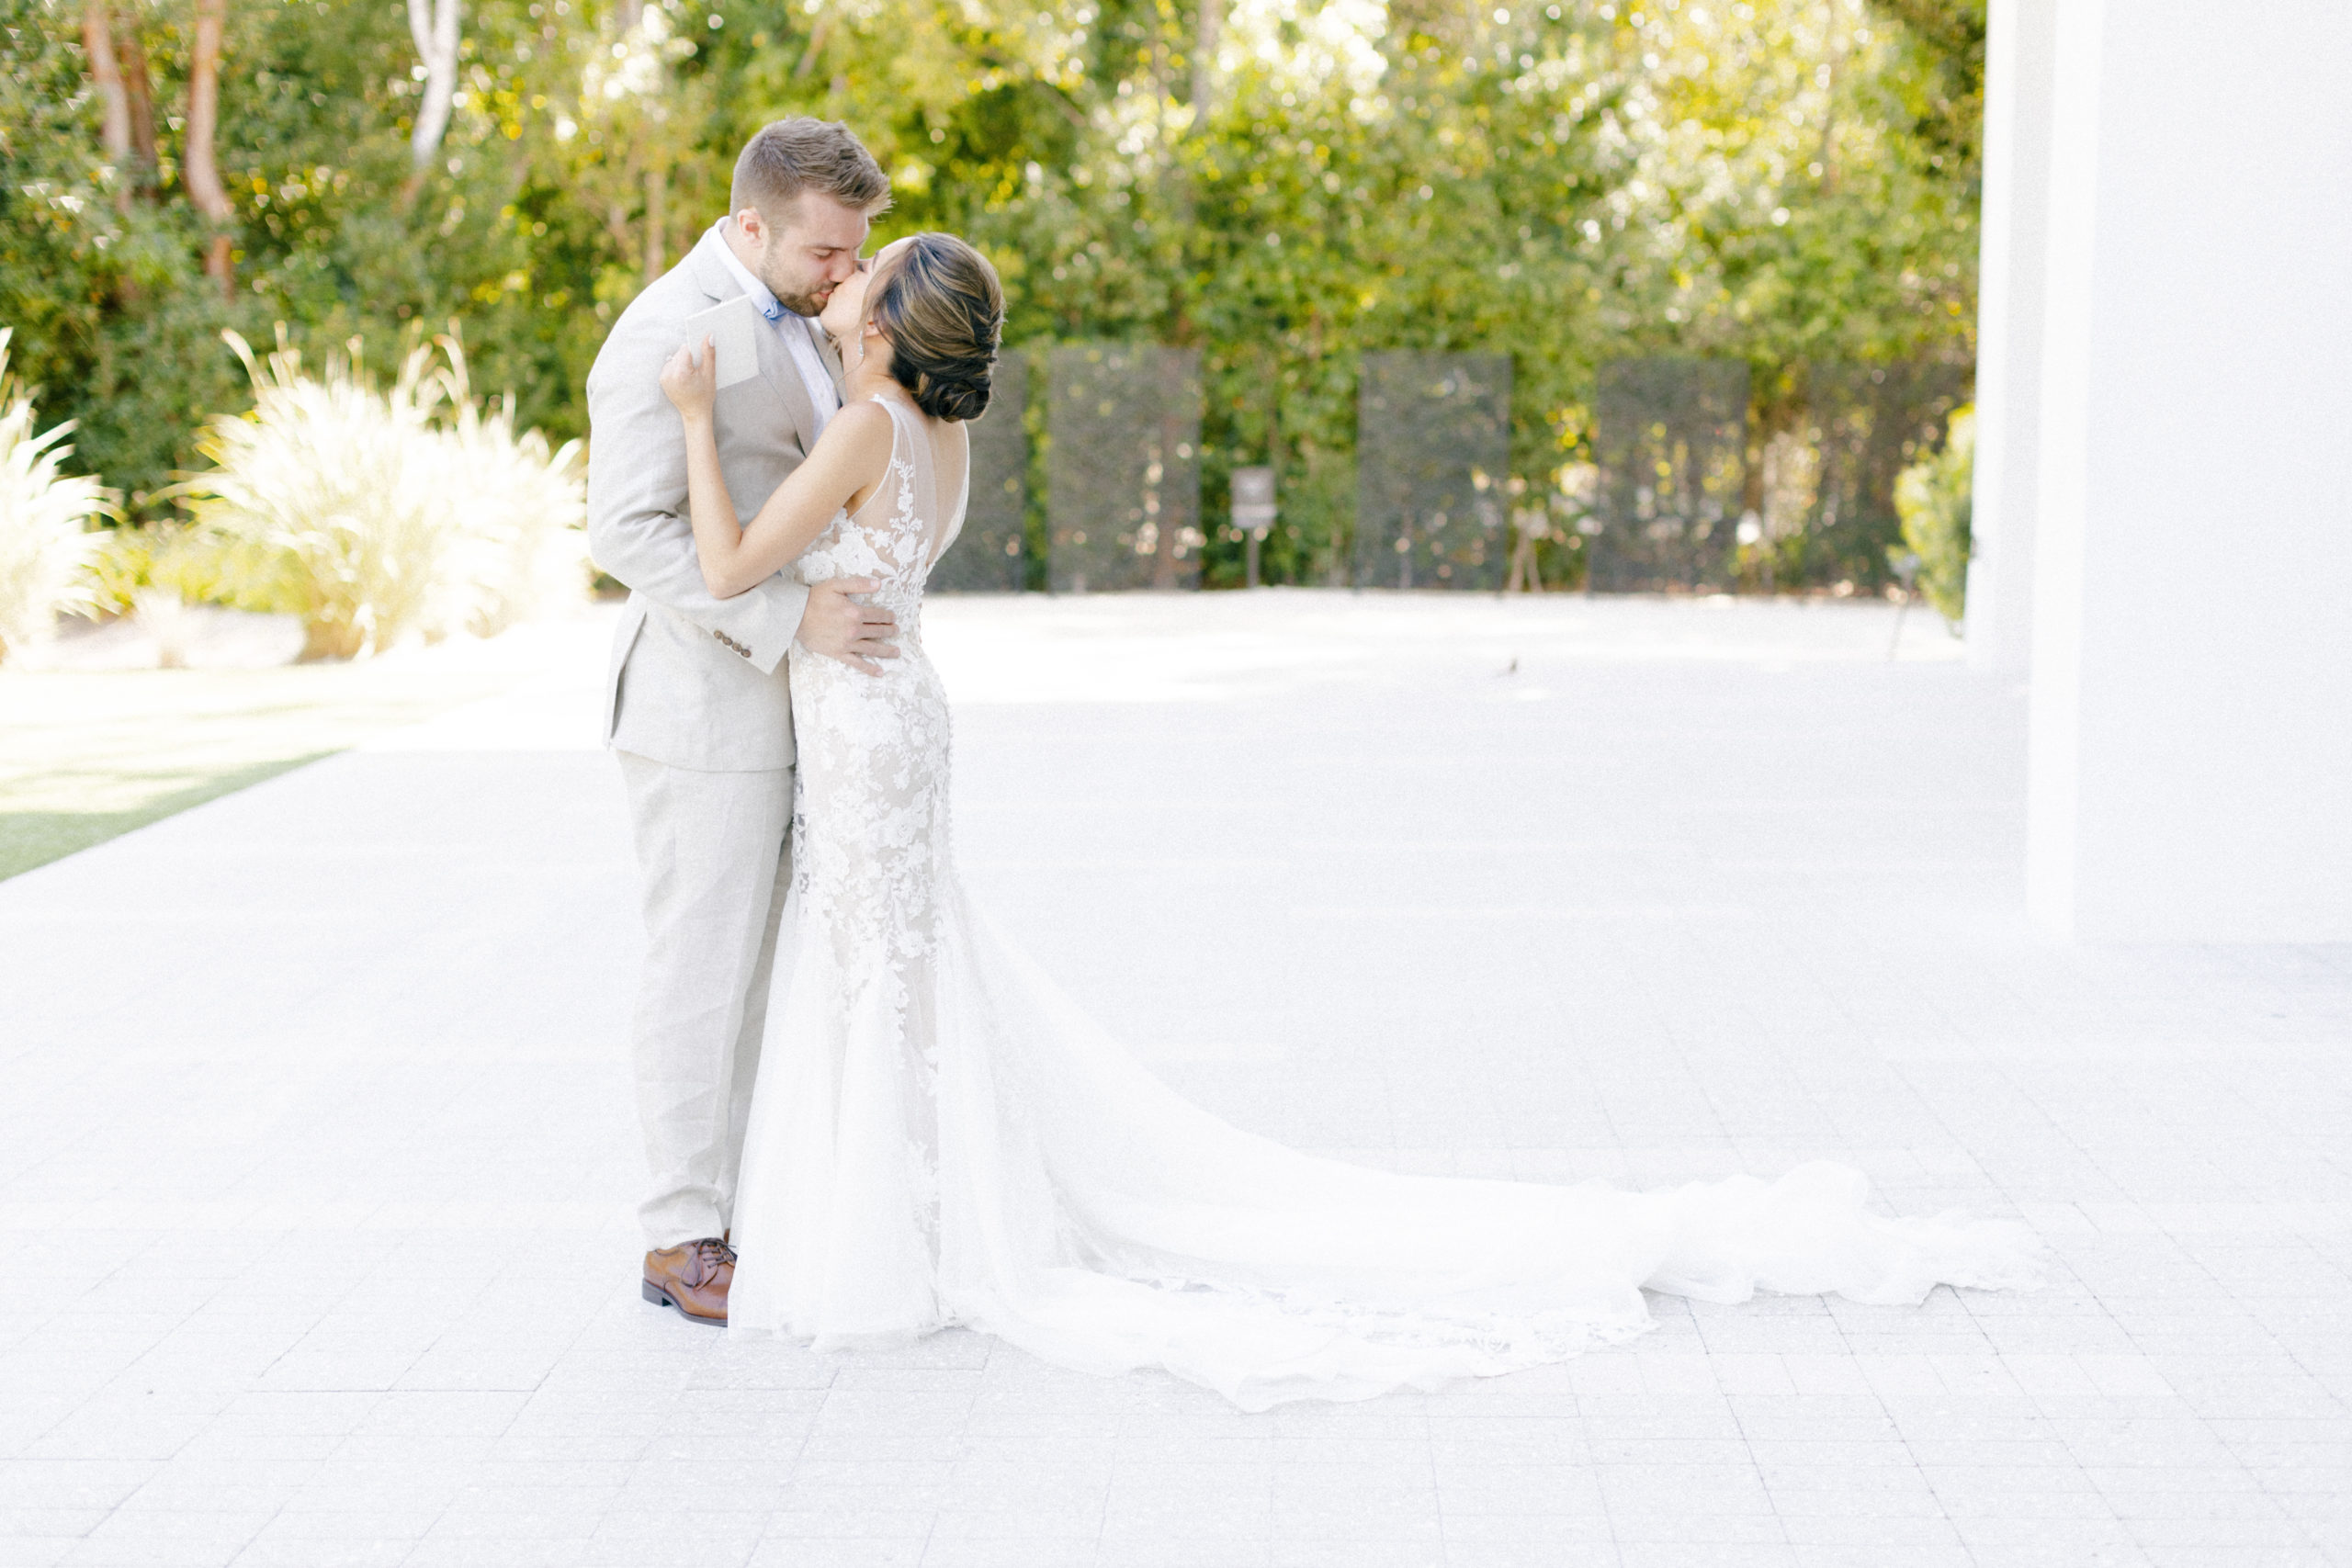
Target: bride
[938, 1137]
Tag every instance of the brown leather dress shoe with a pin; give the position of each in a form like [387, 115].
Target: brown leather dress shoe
[693, 1277]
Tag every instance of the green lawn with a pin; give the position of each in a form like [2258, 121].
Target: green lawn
[88, 755]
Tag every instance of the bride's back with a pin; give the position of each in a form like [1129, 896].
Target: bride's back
[909, 521]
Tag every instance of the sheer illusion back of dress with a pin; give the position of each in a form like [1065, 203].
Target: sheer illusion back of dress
[939, 1137]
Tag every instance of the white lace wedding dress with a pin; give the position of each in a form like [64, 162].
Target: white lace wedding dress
[938, 1137]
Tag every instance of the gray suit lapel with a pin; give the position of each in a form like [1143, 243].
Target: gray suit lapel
[713, 277]
[710, 273]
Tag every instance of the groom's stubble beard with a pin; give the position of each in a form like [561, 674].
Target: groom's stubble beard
[810, 223]
[809, 305]
[800, 302]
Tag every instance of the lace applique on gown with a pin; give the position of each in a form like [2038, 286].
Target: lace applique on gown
[939, 1137]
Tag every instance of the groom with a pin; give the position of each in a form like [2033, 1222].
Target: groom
[699, 709]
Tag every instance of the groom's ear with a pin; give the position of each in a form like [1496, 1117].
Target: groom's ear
[752, 227]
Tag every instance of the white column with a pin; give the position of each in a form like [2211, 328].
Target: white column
[2191, 775]
[2019, 47]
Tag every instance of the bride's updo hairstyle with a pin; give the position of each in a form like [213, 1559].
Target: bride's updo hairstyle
[942, 307]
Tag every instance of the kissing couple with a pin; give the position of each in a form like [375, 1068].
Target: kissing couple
[868, 1116]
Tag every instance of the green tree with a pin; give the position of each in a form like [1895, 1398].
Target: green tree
[1283, 185]
[1934, 498]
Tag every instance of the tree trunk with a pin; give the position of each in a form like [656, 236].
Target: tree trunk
[434, 32]
[141, 99]
[656, 223]
[114, 104]
[1210, 29]
[105, 73]
[816, 46]
[199, 169]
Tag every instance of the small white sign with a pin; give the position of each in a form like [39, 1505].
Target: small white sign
[1253, 499]
[734, 328]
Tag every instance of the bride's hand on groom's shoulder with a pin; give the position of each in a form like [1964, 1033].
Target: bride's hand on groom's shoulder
[691, 379]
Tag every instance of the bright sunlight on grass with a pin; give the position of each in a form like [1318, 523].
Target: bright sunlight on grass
[88, 755]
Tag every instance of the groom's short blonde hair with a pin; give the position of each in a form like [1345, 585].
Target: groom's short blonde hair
[786, 157]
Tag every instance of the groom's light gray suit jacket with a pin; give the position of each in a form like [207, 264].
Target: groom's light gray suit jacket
[696, 681]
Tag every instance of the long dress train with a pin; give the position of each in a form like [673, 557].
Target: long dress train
[939, 1137]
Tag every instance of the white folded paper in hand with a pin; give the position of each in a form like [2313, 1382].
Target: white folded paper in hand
[733, 327]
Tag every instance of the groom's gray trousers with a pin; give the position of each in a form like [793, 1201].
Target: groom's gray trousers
[699, 708]
[716, 862]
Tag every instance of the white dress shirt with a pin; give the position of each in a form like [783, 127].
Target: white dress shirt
[798, 332]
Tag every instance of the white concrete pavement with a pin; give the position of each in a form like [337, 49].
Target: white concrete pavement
[316, 1150]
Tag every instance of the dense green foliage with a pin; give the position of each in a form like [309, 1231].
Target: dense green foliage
[1933, 497]
[1787, 181]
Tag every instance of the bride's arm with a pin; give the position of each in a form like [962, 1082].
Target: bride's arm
[849, 460]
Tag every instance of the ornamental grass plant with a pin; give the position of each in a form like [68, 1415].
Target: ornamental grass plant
[45, 544]
[378, 514]
[524, 545]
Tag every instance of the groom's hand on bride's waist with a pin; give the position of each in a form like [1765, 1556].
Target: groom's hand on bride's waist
[838, 627]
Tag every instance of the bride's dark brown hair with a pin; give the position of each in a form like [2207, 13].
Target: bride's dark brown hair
[943, 309]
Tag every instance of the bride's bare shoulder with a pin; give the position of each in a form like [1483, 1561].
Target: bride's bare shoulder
[858, 423]
[857, 437]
